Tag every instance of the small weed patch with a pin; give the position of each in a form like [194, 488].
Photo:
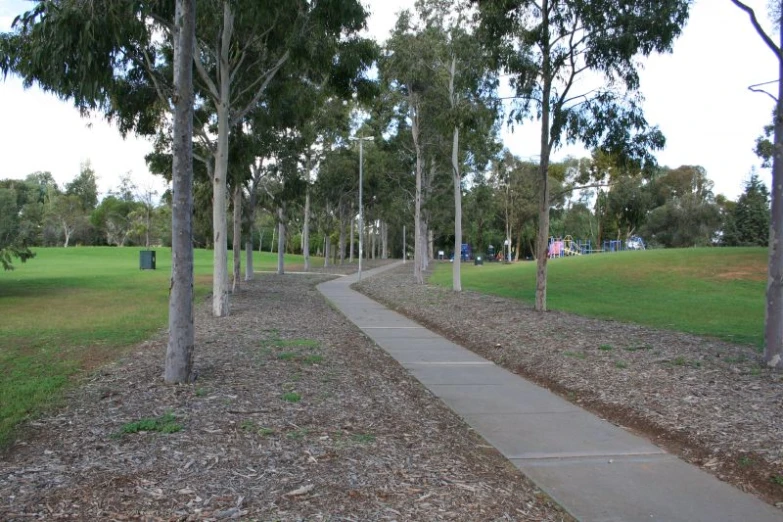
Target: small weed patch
[286, 356]
[297, 434]
[606, 348]
[363, 438]
[313, 359]
[682, 361]
[247, 425]
[620, 364]
[777, 479]
[296, 343]
[266, 432]
[578, 355]
[291, 397]
[746, 462]
[164, 424]
[638, 348]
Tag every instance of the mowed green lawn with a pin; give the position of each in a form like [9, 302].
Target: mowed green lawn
[72, 309]
[706, 291]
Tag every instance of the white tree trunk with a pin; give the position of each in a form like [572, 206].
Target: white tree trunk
[179, 352]
[220, 302]
[281, 240]
[66, 233]
[237, 239]
[456, 275]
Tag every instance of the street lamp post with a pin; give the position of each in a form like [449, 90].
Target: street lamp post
[361, 141]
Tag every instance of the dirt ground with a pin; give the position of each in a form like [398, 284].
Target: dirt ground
[713, 403]
[294, 416]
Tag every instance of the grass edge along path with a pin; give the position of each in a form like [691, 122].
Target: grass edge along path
[716, 292]
[70, 310]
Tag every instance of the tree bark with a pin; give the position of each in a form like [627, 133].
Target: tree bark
[251, 219]
[543, 209]
[773, 329]
[457, 178]
[384, 240]
[306, 224]
[341, 242]
[237, 240]
[280, 240]
[179, 352]
[220, 302]
[67, 233]
[418, 252]
[350, 249]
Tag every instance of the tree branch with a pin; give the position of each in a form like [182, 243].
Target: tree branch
[267, 79]
[760, 30]
[583, 187]
[754, 88]
[204, 75]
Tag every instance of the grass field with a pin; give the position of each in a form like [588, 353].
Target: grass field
[706, 291]
[69, 310]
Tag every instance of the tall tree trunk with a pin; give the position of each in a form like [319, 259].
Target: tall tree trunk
[327, 245]
[457, 179]
[67, 233]
[237, 240]
[179, 352]
[281, 239]
[418, 252]
[220, 302]
[773, 325]
[430, 245]
[350, 249]
[543, 209]
[306, 224]
[251, 219]
[385, 240]
[341, 242]
[373, 239]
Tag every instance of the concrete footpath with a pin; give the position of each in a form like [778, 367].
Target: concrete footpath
[594, 469]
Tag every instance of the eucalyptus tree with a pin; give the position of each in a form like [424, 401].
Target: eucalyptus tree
[405, 71]
[257, 39]
[469, 88]
[548, 46]
[773, 325]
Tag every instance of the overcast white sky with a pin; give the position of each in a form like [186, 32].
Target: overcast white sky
[698, 96]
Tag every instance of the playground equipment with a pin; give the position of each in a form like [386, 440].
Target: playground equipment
[568, 246]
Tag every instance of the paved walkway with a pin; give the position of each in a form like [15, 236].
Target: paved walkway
[594, 469]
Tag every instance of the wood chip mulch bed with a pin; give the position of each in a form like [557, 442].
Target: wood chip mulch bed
[294, 416]
[713, 403]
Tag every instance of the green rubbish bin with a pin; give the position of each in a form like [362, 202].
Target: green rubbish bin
[147, 260]
[478, 261]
